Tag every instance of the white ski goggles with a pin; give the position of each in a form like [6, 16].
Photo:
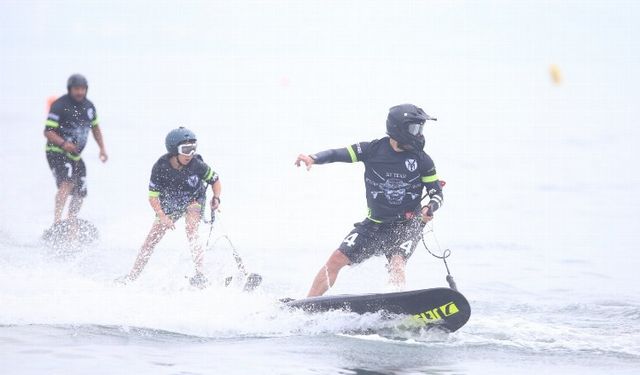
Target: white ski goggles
[187, 149]
[415, 129]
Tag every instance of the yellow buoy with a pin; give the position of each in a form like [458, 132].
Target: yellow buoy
[556, 75]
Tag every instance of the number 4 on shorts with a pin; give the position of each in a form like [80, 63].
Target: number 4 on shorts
[407, 246]
[351, 239]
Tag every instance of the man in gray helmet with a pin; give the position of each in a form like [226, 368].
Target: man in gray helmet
[67, 130]
[397, 172]
[178, 188]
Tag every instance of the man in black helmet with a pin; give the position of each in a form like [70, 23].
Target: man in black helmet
[178, 188]
[67, 129]
[397, 171]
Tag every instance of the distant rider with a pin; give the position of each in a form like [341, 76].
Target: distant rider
[67, 130]
[397, 171]
[178, 188]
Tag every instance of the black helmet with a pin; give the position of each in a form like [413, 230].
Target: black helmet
[77, 80]
[178, 136]
[405, 123]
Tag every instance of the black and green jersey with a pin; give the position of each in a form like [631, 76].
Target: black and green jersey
[394, 180]
[72, 121]
[177, 188]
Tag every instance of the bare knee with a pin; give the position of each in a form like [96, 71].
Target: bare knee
[336, 261]
[397, 260]
[65, 187]
[155, 235]
[192, 218]
[397, 263]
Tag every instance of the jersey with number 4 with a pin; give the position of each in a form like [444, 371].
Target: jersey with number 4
[394, 180]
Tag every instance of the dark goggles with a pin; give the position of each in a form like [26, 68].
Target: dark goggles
[187, 149]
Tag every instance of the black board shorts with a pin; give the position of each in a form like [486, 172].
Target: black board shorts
[370, 239]
[68, 170]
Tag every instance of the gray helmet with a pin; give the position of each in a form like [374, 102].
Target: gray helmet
[404, 124]
[178, 136]
[77, 80]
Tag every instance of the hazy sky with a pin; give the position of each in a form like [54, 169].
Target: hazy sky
[300, 76]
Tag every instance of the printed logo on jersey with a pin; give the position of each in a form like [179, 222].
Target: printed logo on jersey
[394, 190]
[193, 180]
[394, 187]
[90, 113]
[411, 164]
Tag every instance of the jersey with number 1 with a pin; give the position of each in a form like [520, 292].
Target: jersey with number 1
[72, 121]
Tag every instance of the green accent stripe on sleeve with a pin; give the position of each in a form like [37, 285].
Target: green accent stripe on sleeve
[52, 124]
[352, 153]
[154, 194]
[427, 179]
[95, 122]
[209, 174]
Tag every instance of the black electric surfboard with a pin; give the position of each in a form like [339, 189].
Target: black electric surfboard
[436, 307]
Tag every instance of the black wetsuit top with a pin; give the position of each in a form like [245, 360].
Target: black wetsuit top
[72, 121]
[394, 180]
[175, 188]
